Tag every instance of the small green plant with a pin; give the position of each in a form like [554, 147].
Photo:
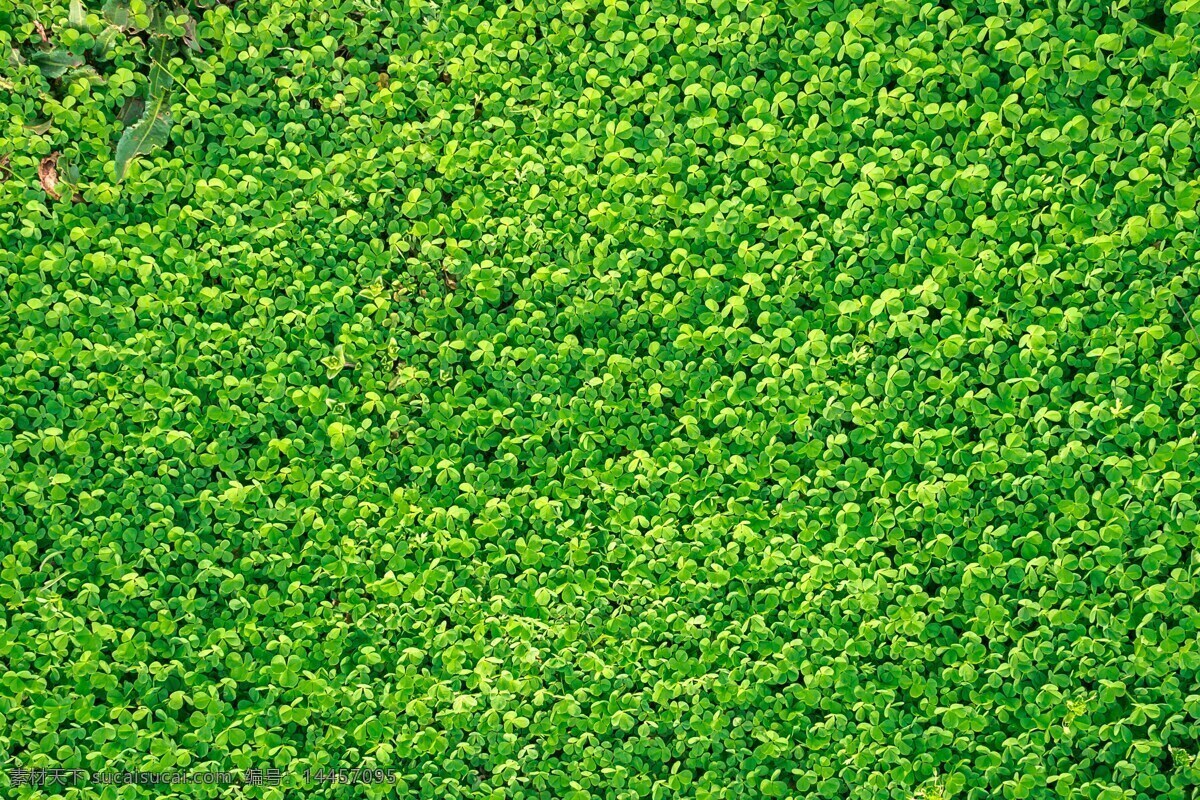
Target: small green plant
[932, 791]
[167, 30]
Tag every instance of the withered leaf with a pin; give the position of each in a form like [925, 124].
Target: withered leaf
[48, 175]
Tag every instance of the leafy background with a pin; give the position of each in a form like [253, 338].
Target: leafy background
[580, 400]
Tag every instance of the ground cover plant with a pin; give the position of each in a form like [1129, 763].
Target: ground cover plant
[614, 399]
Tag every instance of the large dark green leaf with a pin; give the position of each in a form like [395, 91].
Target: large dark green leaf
[117, 12]
[153, 128]
[55, 63]
[77, 15]
[149, 133]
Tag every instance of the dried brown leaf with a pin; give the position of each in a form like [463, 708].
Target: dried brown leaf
[48, 175]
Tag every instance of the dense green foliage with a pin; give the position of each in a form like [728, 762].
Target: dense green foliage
[604, 400]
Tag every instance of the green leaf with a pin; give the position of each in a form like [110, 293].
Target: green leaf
[117, 12]
[153, 129]
[132, 111]
[77, 16]
[150, 132]
[55, 63]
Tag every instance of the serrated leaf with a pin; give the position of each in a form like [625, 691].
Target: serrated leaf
[77, 15]
[54, 63]
[117, 12]
[150, 132]
[154, 127]
[160, 78]
[105, 39]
